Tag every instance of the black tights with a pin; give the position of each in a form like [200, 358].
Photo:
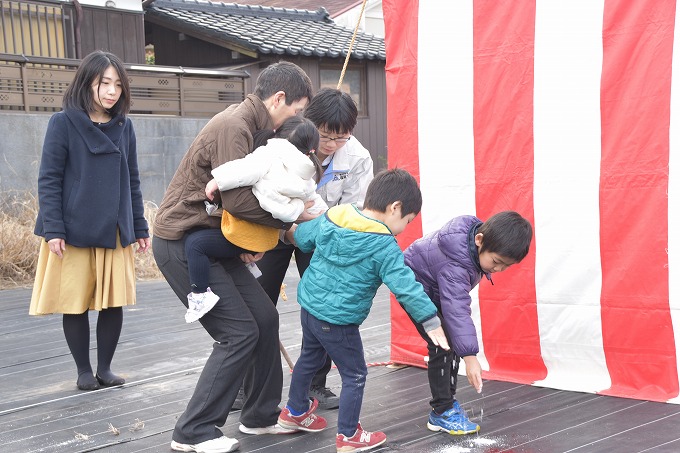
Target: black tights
[77, 333]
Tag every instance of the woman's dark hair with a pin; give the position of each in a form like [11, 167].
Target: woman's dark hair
[299, 131]
[79, 95]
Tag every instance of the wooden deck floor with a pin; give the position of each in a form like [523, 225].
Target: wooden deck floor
[161, 357]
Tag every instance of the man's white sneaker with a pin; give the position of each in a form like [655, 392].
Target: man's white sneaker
[273, 429]
[222, 444]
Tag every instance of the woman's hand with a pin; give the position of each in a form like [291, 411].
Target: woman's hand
[144, 244]
[57, 246]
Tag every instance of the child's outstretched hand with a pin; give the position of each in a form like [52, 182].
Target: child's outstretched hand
[474, 372]
[210, 189]
[438, 337]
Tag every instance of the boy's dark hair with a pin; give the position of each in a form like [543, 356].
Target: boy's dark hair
[508, 234]
[300, 132]
[393, 185]
[79, 94]
[284, 76]
[333, 110]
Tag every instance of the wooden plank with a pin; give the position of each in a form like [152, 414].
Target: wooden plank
[11, 99]
[192, 85]
[10, 72]
[115, 34]
[170, 83]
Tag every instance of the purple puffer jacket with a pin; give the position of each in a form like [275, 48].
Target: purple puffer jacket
[446, 262]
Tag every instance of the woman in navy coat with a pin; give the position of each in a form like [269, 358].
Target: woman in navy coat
[91, 212]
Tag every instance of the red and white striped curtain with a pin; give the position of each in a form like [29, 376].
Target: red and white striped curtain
[562, 111]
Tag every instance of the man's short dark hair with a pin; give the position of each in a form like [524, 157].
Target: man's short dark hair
[284, 76]
[393, 185]
[508, 234]
[333, 110]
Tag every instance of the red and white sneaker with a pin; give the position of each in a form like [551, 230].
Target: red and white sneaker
[305, 422]
[360, 441]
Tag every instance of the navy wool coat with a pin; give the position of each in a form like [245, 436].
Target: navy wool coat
[88, 184]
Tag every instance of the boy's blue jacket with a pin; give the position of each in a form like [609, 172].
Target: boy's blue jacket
[353, 256]
[446, 262]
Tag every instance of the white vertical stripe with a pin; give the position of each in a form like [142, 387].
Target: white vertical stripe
[445, 132]
[568, 66]
[674, 196]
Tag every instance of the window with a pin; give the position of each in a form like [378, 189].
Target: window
[35, 28]
[353, 82]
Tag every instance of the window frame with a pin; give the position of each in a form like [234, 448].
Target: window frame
[360, 68]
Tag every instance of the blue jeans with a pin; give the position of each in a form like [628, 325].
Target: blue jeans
[344, 345]
[274, 265]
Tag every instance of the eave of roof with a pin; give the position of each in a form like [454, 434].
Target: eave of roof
[267, 30]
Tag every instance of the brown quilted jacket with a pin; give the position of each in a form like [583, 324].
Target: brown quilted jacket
[226, 137]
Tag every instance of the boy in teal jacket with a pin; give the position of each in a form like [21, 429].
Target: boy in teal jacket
[354, 253]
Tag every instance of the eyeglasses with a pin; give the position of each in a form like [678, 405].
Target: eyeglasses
[337, 140]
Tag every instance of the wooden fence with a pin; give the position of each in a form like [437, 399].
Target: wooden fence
[37, 84]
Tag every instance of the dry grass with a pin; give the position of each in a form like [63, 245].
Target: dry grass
[19, 246]
[145, 264]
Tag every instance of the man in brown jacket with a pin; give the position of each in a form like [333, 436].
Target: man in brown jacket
[243, 323]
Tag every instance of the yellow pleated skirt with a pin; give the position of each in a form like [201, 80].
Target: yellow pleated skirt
[89, 278]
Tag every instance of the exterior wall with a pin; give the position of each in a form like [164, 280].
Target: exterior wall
[48, 29]
[172, 48]
[117, 31]
[161, 144]
[371, 130]
[130, 5]
[162, 141]
[372, 20]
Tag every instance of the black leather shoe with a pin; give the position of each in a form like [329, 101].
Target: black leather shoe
[240, 399]
[87, 381]
[326, 398]
[110, 380]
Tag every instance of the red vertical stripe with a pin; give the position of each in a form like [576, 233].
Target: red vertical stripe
[636, 323]
[503, 130]
[401, 45]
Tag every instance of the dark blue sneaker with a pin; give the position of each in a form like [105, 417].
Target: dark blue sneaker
[454, 421]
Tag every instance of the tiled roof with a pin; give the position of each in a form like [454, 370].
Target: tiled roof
[267, 30]
[334, 7]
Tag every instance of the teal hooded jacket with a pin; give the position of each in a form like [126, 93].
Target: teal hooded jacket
[353, 256]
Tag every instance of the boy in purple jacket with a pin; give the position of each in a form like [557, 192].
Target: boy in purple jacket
[449, 263]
